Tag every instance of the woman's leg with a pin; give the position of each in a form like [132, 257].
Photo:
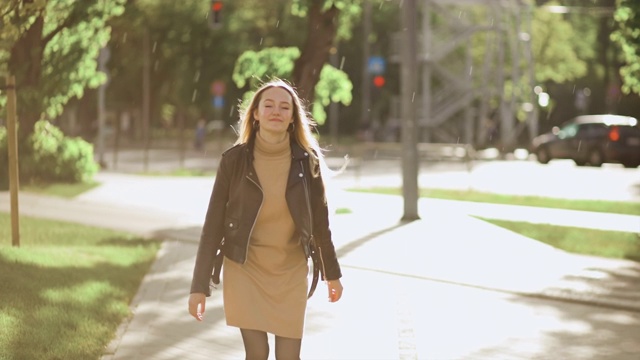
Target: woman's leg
[256, 344]
[288, 348]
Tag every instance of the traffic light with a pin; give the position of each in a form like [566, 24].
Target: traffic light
[215, 14]
[378, 81]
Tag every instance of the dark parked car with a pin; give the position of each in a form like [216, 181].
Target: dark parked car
[592, 140]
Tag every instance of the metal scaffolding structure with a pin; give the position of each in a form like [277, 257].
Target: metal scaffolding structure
[462, 101]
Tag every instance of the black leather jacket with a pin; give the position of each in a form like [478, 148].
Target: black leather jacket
[234, 205]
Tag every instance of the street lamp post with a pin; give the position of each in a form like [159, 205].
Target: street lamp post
[409, 128]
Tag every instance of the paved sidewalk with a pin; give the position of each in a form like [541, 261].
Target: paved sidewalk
[397, 303]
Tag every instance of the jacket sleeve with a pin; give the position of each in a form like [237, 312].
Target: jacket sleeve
[322, 230]
[212, 230]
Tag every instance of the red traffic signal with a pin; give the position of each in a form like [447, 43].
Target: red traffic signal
[215, 14]
[378, 81]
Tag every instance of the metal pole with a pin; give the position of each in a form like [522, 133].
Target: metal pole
[426, 55]
[103, 57]
[146, 128]
[533, 121]
[366, 53]
[409, 128]
[12, 142]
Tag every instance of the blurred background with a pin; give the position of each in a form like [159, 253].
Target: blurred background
[157, 74]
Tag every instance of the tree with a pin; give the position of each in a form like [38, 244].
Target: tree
[627, 37]
[51, 47]
[556, 49]
[328, 22]
[252, 67]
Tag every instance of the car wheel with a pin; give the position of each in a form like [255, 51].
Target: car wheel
[595, 158]
[543, 156]
[631, 164]
[580, 162]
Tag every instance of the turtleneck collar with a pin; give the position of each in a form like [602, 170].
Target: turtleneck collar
[266, 148]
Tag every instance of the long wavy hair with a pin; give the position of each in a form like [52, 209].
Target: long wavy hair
[303, 124]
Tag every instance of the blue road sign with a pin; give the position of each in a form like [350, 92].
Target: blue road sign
[376, 65]
[218, 102]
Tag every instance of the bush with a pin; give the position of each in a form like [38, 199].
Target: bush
[48, 156]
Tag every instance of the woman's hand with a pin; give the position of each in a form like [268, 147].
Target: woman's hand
[335, 290]
[197, 303]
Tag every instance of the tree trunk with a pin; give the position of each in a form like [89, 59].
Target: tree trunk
[321, 35]
[26, 64]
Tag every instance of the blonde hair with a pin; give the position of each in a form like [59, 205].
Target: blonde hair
[303, 124]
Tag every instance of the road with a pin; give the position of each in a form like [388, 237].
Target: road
[559, 178]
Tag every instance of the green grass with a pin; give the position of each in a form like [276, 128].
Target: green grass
[617, 207]
[611, 244]
[61, 190]
[66, 289]
[342, 211]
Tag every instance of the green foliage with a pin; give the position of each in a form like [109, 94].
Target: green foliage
[69, 65]
[49, 156]
[334, 86]
[350, 12]
[627, 36]
[61, 61]
[555, 49]
[255, 67]
[15, 17]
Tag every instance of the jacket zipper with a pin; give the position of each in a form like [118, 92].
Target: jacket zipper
[324, 270]
[246, 254]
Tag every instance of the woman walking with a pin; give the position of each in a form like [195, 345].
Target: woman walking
[267, 215]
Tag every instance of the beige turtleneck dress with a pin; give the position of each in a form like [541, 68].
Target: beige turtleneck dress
[269, 291]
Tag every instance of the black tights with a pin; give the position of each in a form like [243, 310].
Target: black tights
[256, 346]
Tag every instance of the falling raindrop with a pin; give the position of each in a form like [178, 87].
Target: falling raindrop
[460, 14]
[195, 94]
[233, 107]
[197, 76]
[341, 63]
[155, 44]
[156, 64]
[574, 89]
[413, 96]
[261, 41]
[579, 144]
[277, 24]
[124, 38]
[470, 70]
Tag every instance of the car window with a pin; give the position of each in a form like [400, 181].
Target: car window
[568, 131]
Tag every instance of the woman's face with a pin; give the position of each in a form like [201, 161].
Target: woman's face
[275, 110]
